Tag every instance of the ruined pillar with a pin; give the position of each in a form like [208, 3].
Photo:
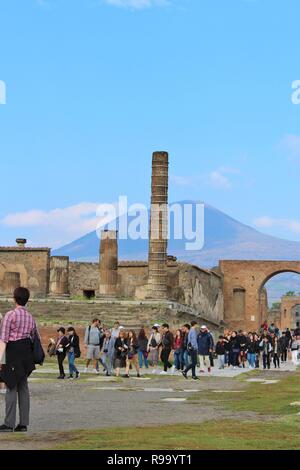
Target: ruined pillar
[158, 236]
[11, 281]
[59, 276]
[108, 263]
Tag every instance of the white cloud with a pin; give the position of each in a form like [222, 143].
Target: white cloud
[57, 226]
[291, 143]
[218, 180]
[137, 4]
[292, 225]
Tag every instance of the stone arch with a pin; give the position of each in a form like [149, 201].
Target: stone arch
[252, 277]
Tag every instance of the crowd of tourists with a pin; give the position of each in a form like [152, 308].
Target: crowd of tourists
[187, 349]
[114, 349]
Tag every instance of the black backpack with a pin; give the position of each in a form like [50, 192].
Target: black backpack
[153, 342]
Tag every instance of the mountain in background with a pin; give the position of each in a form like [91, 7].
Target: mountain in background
[225, 238]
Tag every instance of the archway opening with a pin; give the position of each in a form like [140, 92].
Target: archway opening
[279, 294]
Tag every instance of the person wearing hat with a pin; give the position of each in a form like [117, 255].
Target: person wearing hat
[61, 350]
[205, 347]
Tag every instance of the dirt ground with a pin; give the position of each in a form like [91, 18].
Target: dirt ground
[98, 402]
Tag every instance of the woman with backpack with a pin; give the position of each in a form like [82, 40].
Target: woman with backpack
[153, 347]
[73, 352]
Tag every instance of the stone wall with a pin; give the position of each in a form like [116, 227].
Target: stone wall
[249, 276]
[200, 289]
[83, 277]
[31, 264]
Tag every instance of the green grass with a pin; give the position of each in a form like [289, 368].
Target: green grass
[280, 434]
[218, 435]
[273, 399]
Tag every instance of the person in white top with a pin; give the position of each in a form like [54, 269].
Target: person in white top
[153, 347]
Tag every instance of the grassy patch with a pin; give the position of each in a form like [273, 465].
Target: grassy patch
[280, 434]
[270, 400]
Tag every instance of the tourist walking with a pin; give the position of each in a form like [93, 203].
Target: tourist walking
[266, 349]
[220, 351]
[143, 349]
[2, 362]
[167, 344]
[132, 353]
[108, 352]
[284, 342]
[251, 349]
[192, 347]
[185, 353]
[276, 352]
[93, 339]
[61, 347]
[205, 347]
[121, 349]
[153, 347]
[295, 348]
[234, 350]
[73, 352]
[17, 329]
[178, 351]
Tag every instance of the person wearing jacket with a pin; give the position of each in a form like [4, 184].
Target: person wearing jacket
[143, 349]
[266, 348]
[185, 353]
[121, 350]
[220, 351]
[234, 349]
[251, 349]
[276, 352]
[178, 351]
[17, 327]
[205, 347]
[167, 344]
[193, 351]
[132, 353]
[61, 346]
[108, 352]
[73, 349]
[284, 342]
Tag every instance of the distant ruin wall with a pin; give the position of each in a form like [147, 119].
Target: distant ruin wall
[83, 276]
[202, 290]
[29, 267]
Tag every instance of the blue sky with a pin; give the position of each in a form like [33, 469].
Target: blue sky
[94, 86]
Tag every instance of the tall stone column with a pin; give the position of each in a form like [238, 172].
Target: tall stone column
[59, 276]
[108, 263]
[158, 236]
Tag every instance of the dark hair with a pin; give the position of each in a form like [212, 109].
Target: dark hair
[165, 325]
[155, 328]
[193, 323]
[221, 337]
[95, 319]
[62, 329]
[71, 329]
[188, 326]
[142, 334]
[21, 296]
[133, 335]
